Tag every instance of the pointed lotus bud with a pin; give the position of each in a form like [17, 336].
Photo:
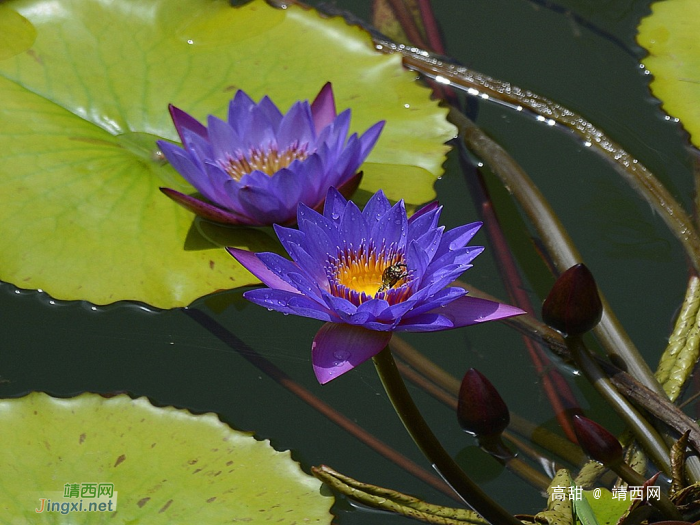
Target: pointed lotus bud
[597, 442]
[481, 410]
[573, 305]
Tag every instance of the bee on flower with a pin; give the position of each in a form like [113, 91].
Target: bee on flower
[368, 274]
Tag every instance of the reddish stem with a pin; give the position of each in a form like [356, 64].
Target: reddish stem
[555, 386]
[233, 342]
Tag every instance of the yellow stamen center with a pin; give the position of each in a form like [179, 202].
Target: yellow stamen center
[269, 160]
[363, 275]
[360, 275]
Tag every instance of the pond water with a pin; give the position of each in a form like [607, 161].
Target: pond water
[580, 54]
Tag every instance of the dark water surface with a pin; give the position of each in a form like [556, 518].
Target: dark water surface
[581, 54]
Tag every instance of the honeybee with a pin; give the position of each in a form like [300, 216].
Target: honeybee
[392, 275]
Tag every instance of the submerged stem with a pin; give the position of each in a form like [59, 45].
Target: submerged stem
[562, 250]
[430, 446]
[645, 433]
[634, 172]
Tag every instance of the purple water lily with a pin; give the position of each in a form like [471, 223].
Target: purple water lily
[368, 274]
[257, 167]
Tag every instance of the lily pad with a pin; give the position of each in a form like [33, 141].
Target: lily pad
[164, 465]
[81, 216]
[670, 35]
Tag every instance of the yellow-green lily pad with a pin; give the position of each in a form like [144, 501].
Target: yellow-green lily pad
[145, 464]
[670, 35]
[81, 216]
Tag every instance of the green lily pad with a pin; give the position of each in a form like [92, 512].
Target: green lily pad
[670, 35]
[164, 465]
[81, 216]
[601, 507]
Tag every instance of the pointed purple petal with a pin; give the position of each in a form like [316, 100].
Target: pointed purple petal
[334, 206]
[377, 206]
[369, 139]
[457, 238]
[206, 210]
[422, 211]
[239, 110]
[323, 108]
[224, 140]
[352, 228]
[289, 303]
[271, 112]
[427, 322]
[467, 310]
[183, 120]
[338, 348]
[392, 227]
[425, 222]
[297, 127]
[254, 265]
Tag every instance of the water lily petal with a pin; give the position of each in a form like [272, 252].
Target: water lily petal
[183, 121]
[427, 322]
[251, 262]
[370, 137]
[323, 108]
[334, 207]
[338, 348]
[204, 209]
[377, 206]
[276, 160]
[374, 272]
[393, 226]
[468, 310]
[297, 127]
[289, 303]
[352, 228]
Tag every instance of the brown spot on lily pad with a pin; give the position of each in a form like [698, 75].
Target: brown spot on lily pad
[165, 507]
[142, 502]
[119, 460]
[81, 438]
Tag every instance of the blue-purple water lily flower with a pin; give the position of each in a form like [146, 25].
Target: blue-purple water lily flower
[368, 274]
[257, 167]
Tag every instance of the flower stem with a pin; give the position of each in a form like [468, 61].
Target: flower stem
[430, 446]
[645, 433]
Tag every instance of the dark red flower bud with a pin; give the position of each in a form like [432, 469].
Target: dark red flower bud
[573, 305]
[596, 441]
[481, 410]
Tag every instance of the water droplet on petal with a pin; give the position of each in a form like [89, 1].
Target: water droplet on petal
[341, 356]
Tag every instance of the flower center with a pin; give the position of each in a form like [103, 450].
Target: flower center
[363, 274]
[268, 160]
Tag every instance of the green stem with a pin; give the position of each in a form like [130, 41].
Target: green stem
[633, 478]
[500, 452]
[430, 446]
[559, 245]
[645, 433]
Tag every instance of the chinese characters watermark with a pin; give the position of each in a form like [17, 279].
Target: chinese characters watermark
[633, 493]
[81, 497]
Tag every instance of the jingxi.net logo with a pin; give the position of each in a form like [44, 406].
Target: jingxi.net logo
[80, 497]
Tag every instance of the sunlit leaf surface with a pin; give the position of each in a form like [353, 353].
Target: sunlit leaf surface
[670, 35]
[84, 88]
[166, 465]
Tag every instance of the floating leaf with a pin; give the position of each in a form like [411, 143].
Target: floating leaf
[670, 34]
[81, 216]
[166, 465]
[605, 509]
[559, 507]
